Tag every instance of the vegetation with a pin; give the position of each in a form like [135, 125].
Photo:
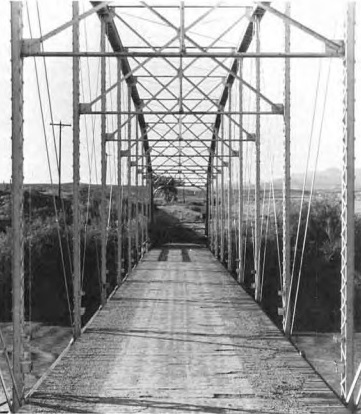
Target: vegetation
[166, 186]
[48, 260]
[48, 254]
[318, 302]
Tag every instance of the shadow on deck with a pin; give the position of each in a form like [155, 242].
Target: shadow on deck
[181, 336]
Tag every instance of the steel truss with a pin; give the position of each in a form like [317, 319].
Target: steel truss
[181, 93]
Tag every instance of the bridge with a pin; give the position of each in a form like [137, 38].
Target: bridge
[165, 96]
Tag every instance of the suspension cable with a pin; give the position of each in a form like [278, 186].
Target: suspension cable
[54, 140]
[303, 190]
[51, 179]
[266, 239]
[311, 194]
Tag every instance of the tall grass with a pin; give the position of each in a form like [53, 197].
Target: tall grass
[318, 306]
[48, 273]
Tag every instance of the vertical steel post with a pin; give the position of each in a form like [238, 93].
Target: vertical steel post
[207, 223]
[181, 49]
[229, 198]
[240, 192]
[151, 192]
[103, 167]
[136, 218]
[222, 192]
[217, 223]
[119, 173]
[286, 251]
[17, 264]
[149, 198]
[210, 209]
[76, 180]
[129, 189]
[348, 210]
[143, 203]
[257, 219]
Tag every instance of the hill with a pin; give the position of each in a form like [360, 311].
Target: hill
[329, 179]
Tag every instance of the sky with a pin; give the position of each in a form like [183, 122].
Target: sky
[325, 107]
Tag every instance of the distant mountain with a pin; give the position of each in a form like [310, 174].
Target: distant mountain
[329, 179]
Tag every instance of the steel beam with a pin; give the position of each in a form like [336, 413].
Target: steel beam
[177, 113]
[222, 195]
[136, 218]
[209, 212]
[288, 20]
[240, 276]
[119, 179]
[229, 195]
[117, 46]
[129, 185]
[257, 218]
[182, 49]
[76, 180]
[160, 75]
[243, 48]
[348, 212]
[17, 263]
[144, 198]
[186, 55]
[217, 224]
[187, 140]
[286, 251]
[103, 207]
[188, 6]
[74, 21]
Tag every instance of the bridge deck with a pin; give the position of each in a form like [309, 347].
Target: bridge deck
[181, 336]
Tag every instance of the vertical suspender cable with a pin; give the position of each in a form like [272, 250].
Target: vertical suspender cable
[51, 178]
[310, 200]
[288, 306]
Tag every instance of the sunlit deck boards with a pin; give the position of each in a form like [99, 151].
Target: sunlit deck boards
[181, 336]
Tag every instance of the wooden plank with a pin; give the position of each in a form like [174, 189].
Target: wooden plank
[182, 337]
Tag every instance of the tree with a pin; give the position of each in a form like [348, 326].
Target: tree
[166, 186]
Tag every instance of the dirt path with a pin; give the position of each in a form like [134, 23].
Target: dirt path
[181, 336]
[177, 224]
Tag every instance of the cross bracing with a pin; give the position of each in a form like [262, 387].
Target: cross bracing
[178, 99]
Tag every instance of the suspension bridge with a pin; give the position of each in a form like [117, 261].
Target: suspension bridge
[156, 93]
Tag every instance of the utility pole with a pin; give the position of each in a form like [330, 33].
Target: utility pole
[61, 126]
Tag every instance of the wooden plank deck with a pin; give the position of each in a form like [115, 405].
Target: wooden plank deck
[181, 336]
